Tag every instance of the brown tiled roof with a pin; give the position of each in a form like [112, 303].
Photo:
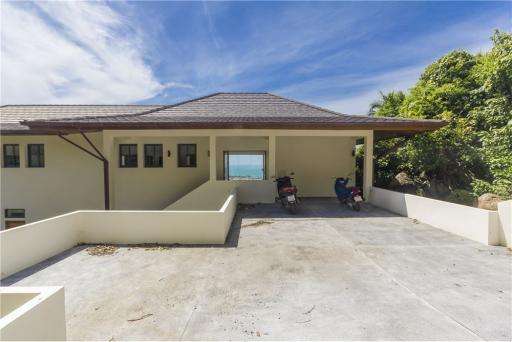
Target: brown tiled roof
[12, 115]
[228, 110]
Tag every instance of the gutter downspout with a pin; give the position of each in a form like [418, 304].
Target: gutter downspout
[99, 156]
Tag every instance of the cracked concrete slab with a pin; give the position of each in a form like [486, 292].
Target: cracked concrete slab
[326, 273]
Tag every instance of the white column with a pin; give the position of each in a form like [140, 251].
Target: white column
[271, 156]
[213, 158]
[368, 164]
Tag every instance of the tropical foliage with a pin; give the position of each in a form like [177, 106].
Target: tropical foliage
[472, 154]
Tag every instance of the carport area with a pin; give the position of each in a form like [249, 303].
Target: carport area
[327, 273]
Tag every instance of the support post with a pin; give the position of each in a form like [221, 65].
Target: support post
[368, 164]
[110, 156]
[106, 184]
[213, 158]
[271, 156]
[99, 156]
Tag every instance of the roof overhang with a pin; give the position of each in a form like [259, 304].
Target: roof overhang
[384, 129]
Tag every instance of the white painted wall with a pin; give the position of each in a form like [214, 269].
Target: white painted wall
[40, 318]
[315, 160]
[473, 223]
[250, 191]
[27, 245]
[210, 196]
[163, 227]
[505, 222]
[71, 179]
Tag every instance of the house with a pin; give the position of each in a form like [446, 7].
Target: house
[61, 158]
[177, 172]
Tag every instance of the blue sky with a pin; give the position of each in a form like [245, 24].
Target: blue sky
[333, 54]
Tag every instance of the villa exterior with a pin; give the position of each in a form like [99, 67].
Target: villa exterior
[61, 158]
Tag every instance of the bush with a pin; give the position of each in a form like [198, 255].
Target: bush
[461, 196]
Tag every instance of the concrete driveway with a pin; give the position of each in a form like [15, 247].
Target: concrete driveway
[327, 273]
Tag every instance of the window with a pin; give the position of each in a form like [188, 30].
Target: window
[187, 155]
[128, 155]
[14, 213]
[35, 155]
[153, 155]
[244, 165]
[11, 155]
[14, 218]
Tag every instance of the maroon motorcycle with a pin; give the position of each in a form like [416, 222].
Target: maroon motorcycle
[287, 193]
[351, 196]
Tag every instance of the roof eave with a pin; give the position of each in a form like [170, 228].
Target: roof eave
[413, 126]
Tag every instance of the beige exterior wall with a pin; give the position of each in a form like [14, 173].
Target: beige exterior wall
[315, 160]
[73, 180]
[36, 314]
[70, 180]
[239, 144]
[144, 188]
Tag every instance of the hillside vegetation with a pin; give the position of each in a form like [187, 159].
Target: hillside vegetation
[472, 154]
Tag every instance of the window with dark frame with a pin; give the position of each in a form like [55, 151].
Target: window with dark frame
[153, 155]
[11, 155]
[14, 218]
[15, 213]
[187, 155]
[35, 154]
[128, 155]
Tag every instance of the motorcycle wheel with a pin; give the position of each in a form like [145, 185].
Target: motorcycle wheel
[356, 206]
[292, 208]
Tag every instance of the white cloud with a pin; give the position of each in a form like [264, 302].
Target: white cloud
[72, 52]
[353, 93]
[401, 79]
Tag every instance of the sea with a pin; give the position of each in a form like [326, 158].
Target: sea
[240, 171]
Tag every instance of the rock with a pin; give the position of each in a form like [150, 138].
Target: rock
[403, 183]
[488, 201]
[403, 179]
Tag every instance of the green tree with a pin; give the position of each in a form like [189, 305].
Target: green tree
[388, 105]
[473, 152]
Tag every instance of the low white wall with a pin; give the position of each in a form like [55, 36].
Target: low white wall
[210, 195]
[505, 222]
[473, 223]
[27, 245]
[254, 191]
[229, 211]
[35, 314]
[24, 246]
[164, 227]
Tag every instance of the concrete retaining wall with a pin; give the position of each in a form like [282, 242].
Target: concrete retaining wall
[473, 223]
[505, 222]
[27, 245]
[32, 314]
[210, 195]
